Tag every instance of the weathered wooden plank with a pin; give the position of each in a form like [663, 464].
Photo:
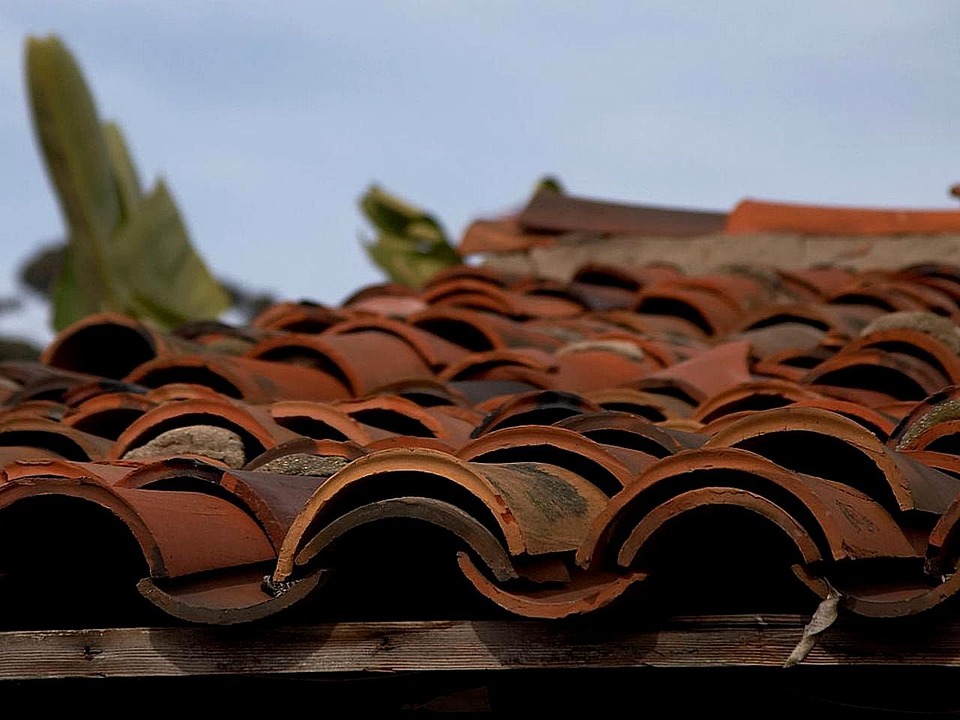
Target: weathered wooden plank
[463, 646]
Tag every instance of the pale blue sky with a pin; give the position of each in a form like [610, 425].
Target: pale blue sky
[268, 120]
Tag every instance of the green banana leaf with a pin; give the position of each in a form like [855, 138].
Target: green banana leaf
[75, 152]
[163, 277]
[126, 252]
[126, 178]
[411, 246]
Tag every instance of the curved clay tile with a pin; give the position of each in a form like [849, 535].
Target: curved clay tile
[386, 415]
[306, 456]
[174, 473]
[725, 366]
[111, 345]
[51, 436]
[436, 352]
[387, 306]
[875, 377]
[106, 473]
[791, 365]
[915, 343]
[626, 430]
[824, 520]
[438, 513]
[553, 446]
[814, 284]
[427, 392]
[830, 446]
[760, 216]
[319, 421]
[298, 317]
[179, 533]
[35, 410]
[375, 294]
[602, 363]
[470, 293]
[531, 509]
[363, 360]
[712, 312]
[882, 297]
[584, 593]
[654, 407]
[783, 336]
[249, 379]
[943, 436]
[536, 407]
[940, 406]
[815, 315]
[221, 337]
[23, 382]
[500, 235]
[529, 366]
[479, 331]
[254, 426]
[204, 554]
[631, 278]
[878, 423]
[484, 273]
[108, 415]
[750, 397]
[678, 330]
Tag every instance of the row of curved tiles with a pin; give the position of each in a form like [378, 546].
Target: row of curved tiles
[564, 462]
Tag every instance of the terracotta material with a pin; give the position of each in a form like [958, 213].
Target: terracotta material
[751, 396]
[319, 421]
[386, 415]
[256, 381]
[529, 366]
[538, 407]
[649, 405]
[724, 367]
[916, 343]
[554, 446]
[559, 212]
[51, 436]
[354, 359]
[299, 317]
[601, 363]
[255, 426]
[289, 457]
[761, 216]
[478, 295]
[483, 236]
[813, 284]
[823, 519]
[584, 594]
[108, 415]
[512, 495]
[111, 345]
[714, 313]
[824, 444]
[179, 533]
[622, 429]
[875, 377]
[436, 352]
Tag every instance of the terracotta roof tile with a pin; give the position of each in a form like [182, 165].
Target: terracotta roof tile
[541, 446]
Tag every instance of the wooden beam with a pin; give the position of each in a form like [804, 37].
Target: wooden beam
[341, 648]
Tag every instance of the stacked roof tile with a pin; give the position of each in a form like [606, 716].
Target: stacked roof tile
[635, 437]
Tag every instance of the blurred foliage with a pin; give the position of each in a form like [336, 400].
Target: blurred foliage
[38, 273]
[126, 250]
[411, 246]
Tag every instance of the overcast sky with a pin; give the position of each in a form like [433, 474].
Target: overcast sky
[269, 119]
